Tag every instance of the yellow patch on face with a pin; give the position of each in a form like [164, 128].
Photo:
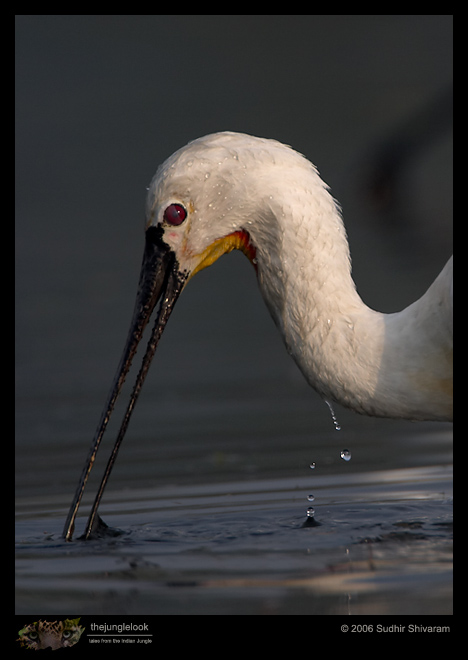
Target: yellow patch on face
[238, 240]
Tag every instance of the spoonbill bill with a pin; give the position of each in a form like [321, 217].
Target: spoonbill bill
[229, 191]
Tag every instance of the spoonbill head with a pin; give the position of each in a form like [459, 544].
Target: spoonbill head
[231, 191]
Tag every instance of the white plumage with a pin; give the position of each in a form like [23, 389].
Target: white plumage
[392, 365]
[231, 191]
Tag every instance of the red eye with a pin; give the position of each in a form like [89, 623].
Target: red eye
[175, 214]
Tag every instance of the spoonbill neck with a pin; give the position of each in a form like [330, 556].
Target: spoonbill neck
[386, 365]
[234, 191]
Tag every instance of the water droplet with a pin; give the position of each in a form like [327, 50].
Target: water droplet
[310, 512]
[346, 455]
[207, 175]
[312, 466]
[311, 497]
[189, 163]
[332, 413]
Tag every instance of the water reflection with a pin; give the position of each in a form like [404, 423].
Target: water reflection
[381, 543]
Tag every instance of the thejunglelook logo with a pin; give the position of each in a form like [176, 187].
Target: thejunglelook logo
[53, 634]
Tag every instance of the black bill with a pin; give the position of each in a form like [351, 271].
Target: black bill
[160, 279]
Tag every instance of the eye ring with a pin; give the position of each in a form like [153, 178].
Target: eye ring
[175, 214]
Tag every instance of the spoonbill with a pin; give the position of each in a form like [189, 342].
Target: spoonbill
[229, 191]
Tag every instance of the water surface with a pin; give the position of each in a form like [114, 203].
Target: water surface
[227, 532]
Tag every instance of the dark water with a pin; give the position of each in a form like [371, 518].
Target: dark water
[225, 531]
[211, 485]
[242, 549]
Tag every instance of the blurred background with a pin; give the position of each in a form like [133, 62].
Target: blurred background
[101, 101]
